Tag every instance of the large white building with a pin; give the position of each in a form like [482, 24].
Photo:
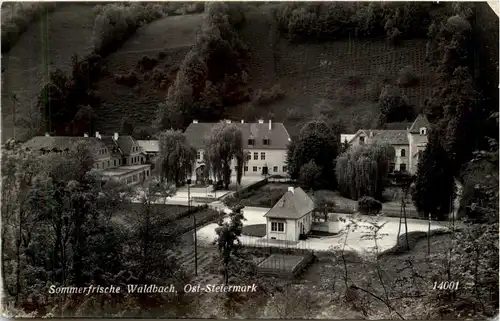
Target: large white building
[265, 144]
[408, 143]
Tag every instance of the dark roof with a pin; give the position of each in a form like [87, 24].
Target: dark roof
[420, 122]
[393, 137]
[62, 143]
[126, 143]
[112, 146]
[398, 125]
[293, 205]
[278, 135]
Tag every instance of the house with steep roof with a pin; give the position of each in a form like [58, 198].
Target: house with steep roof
[408, 143]
[291, 216]
[115, 157]
[265, 144]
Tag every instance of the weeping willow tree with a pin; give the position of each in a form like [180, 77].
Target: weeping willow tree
[176, 158]
[362, 170]
[223, 144]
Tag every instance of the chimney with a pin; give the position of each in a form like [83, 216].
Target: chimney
[97, 135]
[47, 134]
[115, 136]
[261, 121]
[228, 121]
[371, 134]
[195, 121]
[270, 125]
[86, 135]
[291, 189]
[242, 121]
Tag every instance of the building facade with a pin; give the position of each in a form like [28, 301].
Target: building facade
[290, 217]
[115, 157]
[408, 144]
[265, 146]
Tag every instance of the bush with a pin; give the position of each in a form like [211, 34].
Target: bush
[407, 77]
[158, 75]
[369, 206]
[129, 79]
[147, 63]
[17, 18]
[266, 97]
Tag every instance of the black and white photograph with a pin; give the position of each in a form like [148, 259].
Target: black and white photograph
[250, 160]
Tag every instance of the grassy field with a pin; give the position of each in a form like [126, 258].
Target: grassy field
[172, 36]
[47, 44]
[320, 73]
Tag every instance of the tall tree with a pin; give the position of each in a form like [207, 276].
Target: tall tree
[227, 240]
[316, 142]
[127, 126]
[363, 170]
[225, 143]
[176, 158]
[434, 185]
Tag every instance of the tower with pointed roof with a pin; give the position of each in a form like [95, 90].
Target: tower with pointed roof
[417, 140]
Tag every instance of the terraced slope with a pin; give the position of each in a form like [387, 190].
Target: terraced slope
[47, 44]
[311, 72]
[172, 35]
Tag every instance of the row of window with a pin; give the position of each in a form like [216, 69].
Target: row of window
[265, 141]
[255, 169]
[402, 167]
[277, 227]
[256, 156]
[136, 177]
[102, 151]
[118, 162]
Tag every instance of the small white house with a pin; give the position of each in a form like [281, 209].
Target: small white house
[290, 216]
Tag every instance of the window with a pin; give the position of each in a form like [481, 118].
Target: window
[254, 169]
[262, 156]
[198, 155]
[251, 142]
[392, 166]
[108, 163]
[275, 169]
[147, 172]
[284, 169]
[361, 140]
[402, 167]
[114, 162]
[246, 168]
[277, 227]
[97, 165]
[119, 162]
[255, 156]
[265, 141]
[249, 156]
[403, 152]
[423, 131]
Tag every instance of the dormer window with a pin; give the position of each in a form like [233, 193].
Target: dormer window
[361, 140]
[251, 142]
[265, 141]
[423, 131]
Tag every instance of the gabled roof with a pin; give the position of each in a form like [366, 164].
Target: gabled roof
[64, 142]
[278, 135]
[292, 205]
[126, 143]
[113, 147]
[346, 137]
[420, 121]
[393, 137]
[149, 146]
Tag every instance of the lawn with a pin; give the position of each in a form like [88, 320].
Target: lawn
[258, 230]
[265, 196]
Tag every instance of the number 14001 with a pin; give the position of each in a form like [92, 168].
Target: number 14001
[445, 285]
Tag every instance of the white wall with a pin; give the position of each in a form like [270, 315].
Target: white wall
[398, 159]
[288, 235]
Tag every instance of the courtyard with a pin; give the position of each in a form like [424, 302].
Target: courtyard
[356, 231]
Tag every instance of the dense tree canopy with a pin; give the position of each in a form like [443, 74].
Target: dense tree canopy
[319, 143]
[434, 186]
[363, 170]
[223, 144]
[176, 158]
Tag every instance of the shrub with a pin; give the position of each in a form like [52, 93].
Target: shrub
[369, 206]
[394, 36]
[17, 18]
[129, 79]
[147, 63]
[162, 55]
[158, 75]
[407, 77]
[266, 97]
